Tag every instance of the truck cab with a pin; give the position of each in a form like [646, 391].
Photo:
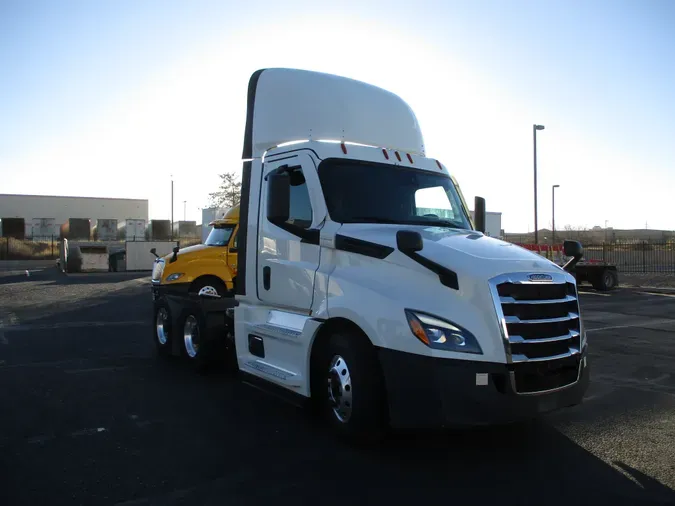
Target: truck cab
[365, 284]
[211, 266]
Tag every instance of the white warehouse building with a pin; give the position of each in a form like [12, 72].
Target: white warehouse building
[43, 215]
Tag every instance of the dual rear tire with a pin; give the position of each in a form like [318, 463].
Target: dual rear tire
[190, 332]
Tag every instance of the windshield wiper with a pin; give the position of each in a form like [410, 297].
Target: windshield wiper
[434, 223]
[413, 221]
[371, 219]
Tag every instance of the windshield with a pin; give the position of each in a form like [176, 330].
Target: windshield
[358, 192]
[220, 236]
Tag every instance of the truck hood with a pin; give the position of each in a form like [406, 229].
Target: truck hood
[463, 251]
[187, 252]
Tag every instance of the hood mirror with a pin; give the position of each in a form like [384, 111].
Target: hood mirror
[409, 241]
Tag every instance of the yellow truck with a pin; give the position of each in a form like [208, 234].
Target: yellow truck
[204, 269]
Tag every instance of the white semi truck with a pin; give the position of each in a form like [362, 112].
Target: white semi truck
[363, 284]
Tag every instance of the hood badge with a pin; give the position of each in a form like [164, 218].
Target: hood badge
[540, 277]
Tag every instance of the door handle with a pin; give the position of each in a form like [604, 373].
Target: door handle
[267, 273]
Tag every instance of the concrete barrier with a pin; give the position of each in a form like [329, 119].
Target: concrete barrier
[94, 258]
[84, 256]
[139, 257]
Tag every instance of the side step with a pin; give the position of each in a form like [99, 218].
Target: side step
[297, 400]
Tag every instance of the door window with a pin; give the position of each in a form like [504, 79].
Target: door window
[300, 212]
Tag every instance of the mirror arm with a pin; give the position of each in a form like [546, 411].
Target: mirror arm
[569, 265]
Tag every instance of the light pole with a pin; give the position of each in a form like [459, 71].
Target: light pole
[172, 207]
[184, 207]
[553, 214]
[534, 133]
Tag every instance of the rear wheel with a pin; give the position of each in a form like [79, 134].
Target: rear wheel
[162, 329]
[196, 349]
[607, 280]
[352, 397]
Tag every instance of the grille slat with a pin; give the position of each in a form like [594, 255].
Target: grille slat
[543, 329]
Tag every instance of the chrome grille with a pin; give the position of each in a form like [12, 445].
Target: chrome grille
[541, 329]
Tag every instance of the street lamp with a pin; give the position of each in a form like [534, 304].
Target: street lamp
[553, 214]
[534, 133]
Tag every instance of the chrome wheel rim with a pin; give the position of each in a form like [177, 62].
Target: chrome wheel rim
[340, 389]
[161, 326]
[208, 291]
[191, 336]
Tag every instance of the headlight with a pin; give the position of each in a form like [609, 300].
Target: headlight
[174, 276]
[441, 334]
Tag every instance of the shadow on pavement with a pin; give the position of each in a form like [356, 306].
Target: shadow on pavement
[56, 277]
[210, 440]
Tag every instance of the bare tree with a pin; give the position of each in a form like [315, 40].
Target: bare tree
[228, 193]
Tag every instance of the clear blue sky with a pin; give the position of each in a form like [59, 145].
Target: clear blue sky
[108, 98]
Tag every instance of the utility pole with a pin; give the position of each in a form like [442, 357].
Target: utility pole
[172, 207]
[534, 134]
[553, 214]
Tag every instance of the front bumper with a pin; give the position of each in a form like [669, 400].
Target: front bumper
[433, 392]
[162, 292]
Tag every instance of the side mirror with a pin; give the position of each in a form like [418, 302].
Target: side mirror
[479, 214]
[409, 241]
[154, 252]
[572, 249]
[176, 249]
[278, 197]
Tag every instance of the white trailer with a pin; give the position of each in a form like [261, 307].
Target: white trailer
[42, 228]
[132, 229]
[363, 286]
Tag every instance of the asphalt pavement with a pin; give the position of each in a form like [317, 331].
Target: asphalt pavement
[89, 415]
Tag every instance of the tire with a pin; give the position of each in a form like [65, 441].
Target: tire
[210, 284]
[351, 388]
[162, 331]
[608, 280]
[196, 349]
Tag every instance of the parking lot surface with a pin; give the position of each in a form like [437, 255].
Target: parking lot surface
[89, 415]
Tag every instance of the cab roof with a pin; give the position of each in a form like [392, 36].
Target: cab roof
[289, 104]
[231, 217]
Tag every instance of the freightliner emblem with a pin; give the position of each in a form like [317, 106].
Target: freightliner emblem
[540, 277]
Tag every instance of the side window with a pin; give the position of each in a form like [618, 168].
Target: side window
[433, 201]
[300, 212]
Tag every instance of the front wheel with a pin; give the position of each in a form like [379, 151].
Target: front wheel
[210, 286]
[353, 396]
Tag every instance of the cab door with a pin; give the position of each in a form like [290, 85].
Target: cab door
[289, 251]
